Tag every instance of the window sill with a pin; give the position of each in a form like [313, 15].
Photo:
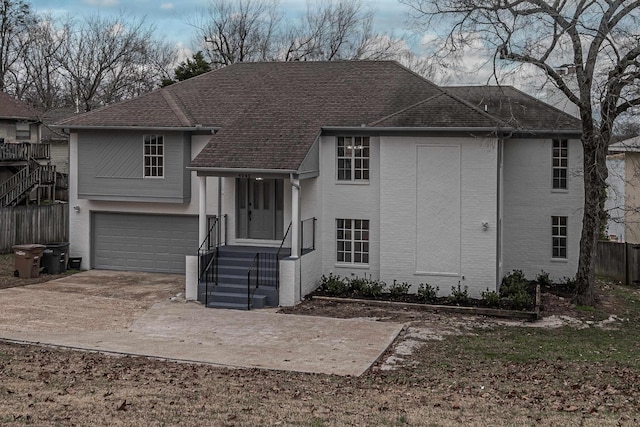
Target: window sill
[559, 190]
[358, 266]
[352, 182]
[561, 260]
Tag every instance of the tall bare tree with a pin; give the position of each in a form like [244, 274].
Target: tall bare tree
[15, 20]
[599, 38]
[42, 83]
[238, 30]
[335, 29]
[107, 59]
[254, 30]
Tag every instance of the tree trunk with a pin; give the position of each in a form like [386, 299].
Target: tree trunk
[595, 175]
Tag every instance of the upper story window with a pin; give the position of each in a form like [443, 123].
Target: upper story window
[559, 236]
[23, 131]
[153, 156]
[352, 240]
[353, 158]
[560, 163]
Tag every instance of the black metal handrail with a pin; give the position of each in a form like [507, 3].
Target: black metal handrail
[254, 268]
[208, 255]
[308, 242]
[210, 273]
[282, 242]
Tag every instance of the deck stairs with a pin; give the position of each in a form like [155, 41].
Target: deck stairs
[232, 290]
[18, 187]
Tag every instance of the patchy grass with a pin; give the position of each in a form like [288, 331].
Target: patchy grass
[495, 375]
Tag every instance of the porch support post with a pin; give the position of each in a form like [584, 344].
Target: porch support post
[202, 213]
[295, 216]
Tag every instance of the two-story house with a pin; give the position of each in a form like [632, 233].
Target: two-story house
[387, 174]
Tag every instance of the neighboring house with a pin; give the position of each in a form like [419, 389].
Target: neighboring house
[25, 170]
[406, 180]
[623, 191]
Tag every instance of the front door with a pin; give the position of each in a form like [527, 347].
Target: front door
[259, 208]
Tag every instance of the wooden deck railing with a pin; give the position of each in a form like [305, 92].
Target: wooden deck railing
[21, 152]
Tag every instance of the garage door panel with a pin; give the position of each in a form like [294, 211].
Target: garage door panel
[143, 242]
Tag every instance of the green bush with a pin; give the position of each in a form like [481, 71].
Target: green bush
[491, 299]
[398, 290]
[459, 296]
[543, 279]
[334, 285]
[513, 291]
[427, 293]
[512, 283]
[373, 288]
[357, 285]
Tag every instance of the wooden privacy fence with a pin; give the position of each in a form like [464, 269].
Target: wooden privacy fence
[33, 224]
[619, 261]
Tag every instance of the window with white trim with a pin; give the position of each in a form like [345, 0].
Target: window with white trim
[153, 156]
[23, 131]
[559, 237]
[560, 159]
[352, 240]
[353, 158]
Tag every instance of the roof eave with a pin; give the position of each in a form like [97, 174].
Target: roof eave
[209, 169]
[165, 128]
[466, 129]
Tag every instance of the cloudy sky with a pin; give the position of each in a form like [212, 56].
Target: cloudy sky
[171, 16]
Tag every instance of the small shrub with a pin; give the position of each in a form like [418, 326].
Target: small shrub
[513, 291]
[491, 299]
[543, 279]
[373, 288]
[334, 285]
[459, 296]
[512, 283]
[569, 283]
[356, 285]
[398, 290]
[427, 293]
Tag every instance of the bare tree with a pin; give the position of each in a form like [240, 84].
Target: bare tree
[105, 60]
[15, 20]
[42, 83]
[598, 37]
[335, 29]
[253, 30]
[238, 31]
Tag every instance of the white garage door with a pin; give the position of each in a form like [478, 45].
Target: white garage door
[155, 243]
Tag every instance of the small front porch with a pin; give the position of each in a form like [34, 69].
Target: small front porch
[251, 256]
[244, 277]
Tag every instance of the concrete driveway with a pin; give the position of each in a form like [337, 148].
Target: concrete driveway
[138, 314]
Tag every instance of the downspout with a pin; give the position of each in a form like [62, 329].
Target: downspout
[499, 187]
[218, 243]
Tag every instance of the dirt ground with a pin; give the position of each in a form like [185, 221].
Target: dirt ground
[443, 370]
[8, 280]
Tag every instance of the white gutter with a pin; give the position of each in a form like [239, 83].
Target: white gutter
[446, 129]
[242, 170]
[142, 128]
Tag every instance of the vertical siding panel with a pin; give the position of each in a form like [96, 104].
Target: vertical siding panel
[33, 224]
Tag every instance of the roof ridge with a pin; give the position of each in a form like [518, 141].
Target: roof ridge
[473, 107]
[173, 104]
[404, 109]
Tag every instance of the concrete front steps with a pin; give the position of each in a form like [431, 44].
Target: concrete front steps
[231, 292]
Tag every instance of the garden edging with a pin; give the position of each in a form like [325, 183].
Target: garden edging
[482, 311]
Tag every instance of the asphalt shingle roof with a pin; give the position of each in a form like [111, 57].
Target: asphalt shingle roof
[515, 108]
[270, 114]
[11, 108]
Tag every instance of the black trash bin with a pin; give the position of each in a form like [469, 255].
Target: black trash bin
[54, 258]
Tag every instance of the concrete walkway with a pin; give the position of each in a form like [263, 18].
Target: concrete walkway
[133, 313]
